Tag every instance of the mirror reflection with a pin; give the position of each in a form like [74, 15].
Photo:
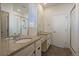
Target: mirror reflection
[14, 20]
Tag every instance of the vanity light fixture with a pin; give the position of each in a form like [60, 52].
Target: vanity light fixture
[45, 3]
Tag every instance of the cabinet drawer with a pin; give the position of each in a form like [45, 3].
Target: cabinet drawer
[37, 43]
[26, 51]
[48, 41]
[43, 39]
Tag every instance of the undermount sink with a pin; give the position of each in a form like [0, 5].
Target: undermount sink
[43, 33]
[23, 41]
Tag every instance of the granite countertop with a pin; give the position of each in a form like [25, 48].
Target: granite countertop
[18, 46]
[44, 33]
[14, 47]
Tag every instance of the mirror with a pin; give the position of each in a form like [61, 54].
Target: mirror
[24, 26]
[14, 20]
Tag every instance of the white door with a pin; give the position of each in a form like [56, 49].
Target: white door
[59, 30]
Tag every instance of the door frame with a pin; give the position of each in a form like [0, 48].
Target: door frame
[7, 23]
[70, 27]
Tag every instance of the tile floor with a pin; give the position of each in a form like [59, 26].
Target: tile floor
[56, 51]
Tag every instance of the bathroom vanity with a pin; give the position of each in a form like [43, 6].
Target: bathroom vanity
[32, 47]
[45, 41]
[30, 50]
[22, 23]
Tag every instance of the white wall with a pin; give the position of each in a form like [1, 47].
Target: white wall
[55, 10]
[32, 19]
[40, 21]
[36, 22]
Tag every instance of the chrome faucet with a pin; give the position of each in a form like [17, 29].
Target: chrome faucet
[16, 37]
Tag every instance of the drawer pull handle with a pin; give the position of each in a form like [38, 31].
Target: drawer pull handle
[34, 52]
[38, 48]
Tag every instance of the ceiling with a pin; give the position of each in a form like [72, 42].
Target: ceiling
[54, 4]
[20, 7]
[50, 4]
[23, 7]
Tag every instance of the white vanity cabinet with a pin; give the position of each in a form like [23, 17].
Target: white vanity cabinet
[48, 43]
[38, 48]
[45, 42]
[28, 51]
[33, 49]
[43, 39]
[48, 40]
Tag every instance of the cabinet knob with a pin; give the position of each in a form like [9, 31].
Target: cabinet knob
[38, 48]
[34, 52]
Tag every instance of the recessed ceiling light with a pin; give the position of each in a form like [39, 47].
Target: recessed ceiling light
[18, 10]
[45, 3]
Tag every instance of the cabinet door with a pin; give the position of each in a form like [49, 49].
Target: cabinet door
[33, 54]
[48, 40]
[28, 51]
[38, 50]
[4, 47]
[48, 43]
